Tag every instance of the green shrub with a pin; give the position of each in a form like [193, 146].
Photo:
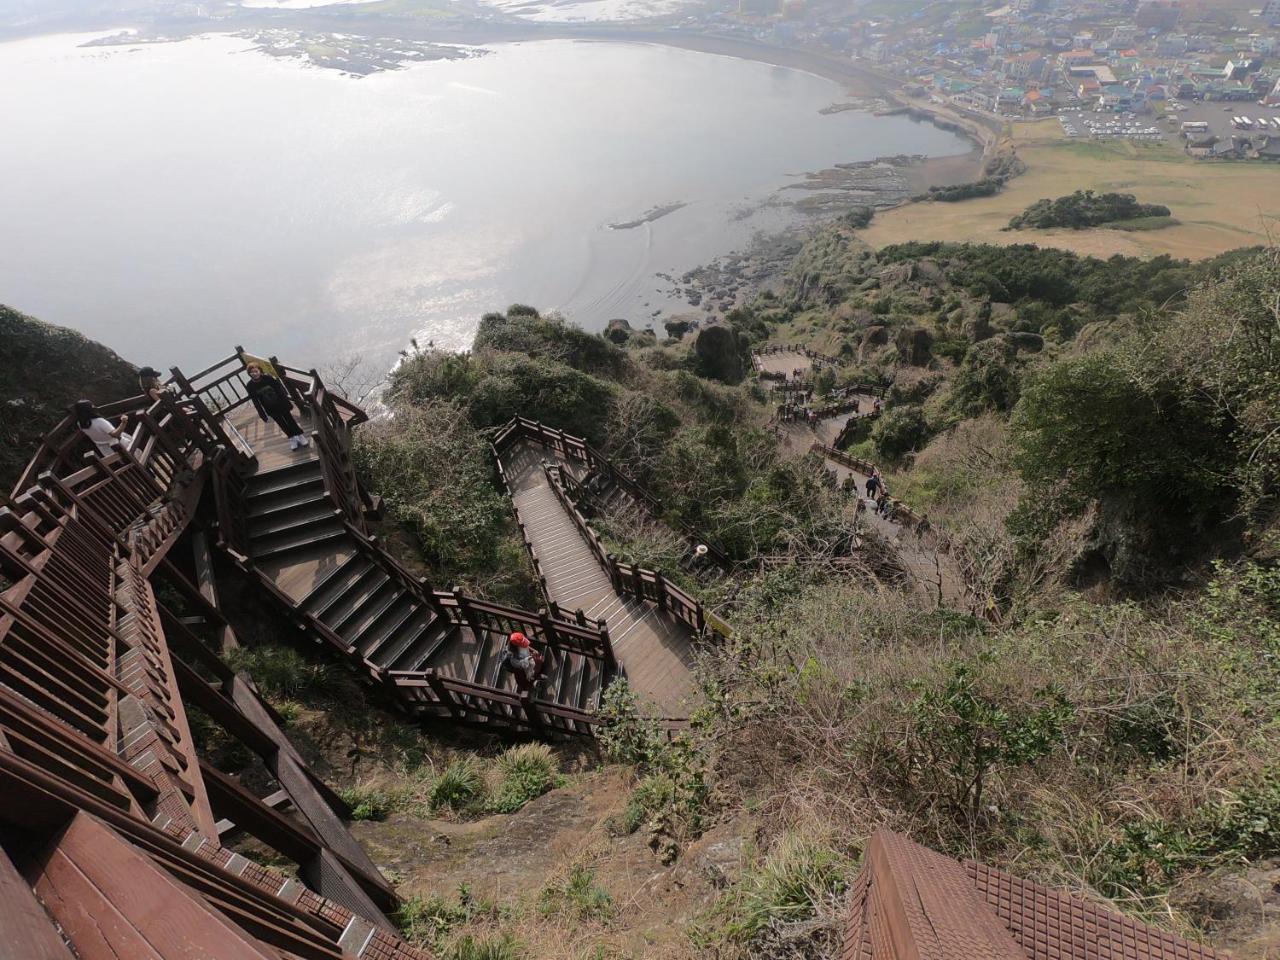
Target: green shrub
[798, 875]
[525, 772]
[504, 947]
[429, 920]
[899, 431]
[282, 673]
[1083, 209]
[460, 786]
[578, 898]
[368, 802]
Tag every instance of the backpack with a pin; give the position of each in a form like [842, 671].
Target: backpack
[269, 397]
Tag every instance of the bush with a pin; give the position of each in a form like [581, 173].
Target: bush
[578, 898]
[899, 431]
[1083, 209]
[525, 772]
[858, 217]
[429, 920]
[434, 472]
[798, 876]
[282, 673]
[368, 802]
[460, 786]
[485, 948]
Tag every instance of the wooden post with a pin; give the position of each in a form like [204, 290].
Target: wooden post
[444, 695]
[660, 587]
[606, 646]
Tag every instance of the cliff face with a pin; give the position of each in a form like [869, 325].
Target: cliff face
[43, 370]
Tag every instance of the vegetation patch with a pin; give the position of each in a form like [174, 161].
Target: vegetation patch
[1084, 208]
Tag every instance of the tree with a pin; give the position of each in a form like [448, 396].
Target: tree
[899, 431]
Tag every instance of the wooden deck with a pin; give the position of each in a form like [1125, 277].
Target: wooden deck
[298, 573]
[655, 649]
[784, 362]
[268, 443]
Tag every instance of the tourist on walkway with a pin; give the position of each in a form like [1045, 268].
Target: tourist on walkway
[522, 661]
[98, 428]
[874, 483]
[271, 400]
[149, 381]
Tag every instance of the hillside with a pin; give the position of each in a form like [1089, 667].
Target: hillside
[46, 369]
[1098, 437]
[1095, 709]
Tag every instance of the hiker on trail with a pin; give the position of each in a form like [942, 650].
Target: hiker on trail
[524, 662]
[874, 483]
[98, 428]
[149, 381]
[875, 406]
[271, 400]
[890, 505]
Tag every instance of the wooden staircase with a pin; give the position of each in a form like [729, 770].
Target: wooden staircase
[445, 649]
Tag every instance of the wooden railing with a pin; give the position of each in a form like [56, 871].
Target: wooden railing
[775, 348]
[331, 421]
[578, 450]
[463, 699]
[229, 504]
[631, 579]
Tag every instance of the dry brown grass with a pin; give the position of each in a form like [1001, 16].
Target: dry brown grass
[1219, 205]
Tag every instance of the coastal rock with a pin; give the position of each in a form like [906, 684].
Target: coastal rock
[617, 331]
[718, 352]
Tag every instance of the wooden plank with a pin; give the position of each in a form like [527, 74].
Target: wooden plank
[148, 917]
[288, 769]
[208, 586]
[25, 929]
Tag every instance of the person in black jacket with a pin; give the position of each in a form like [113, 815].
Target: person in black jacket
[271, 400]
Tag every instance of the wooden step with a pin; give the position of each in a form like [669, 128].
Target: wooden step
[383, 627]
[261, 484]
[415, 632]
[426, 645]
[333, 585]
[297, 538]
[293, 495]
[366, 609]
[352, 596]
[290, 518]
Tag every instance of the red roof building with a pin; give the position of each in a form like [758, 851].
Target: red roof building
[912, 903]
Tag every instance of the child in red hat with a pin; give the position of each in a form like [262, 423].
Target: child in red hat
[524, 662]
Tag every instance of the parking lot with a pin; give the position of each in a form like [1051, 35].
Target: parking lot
[1154, 127]
[1119, 125]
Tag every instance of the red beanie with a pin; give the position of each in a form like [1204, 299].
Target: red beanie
[519, 640]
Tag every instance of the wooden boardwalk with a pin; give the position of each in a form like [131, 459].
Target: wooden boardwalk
[933, 570]
[655, 649]
[785, 362]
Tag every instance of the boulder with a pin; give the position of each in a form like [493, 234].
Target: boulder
[929, 271]
[915, 346]
[718, 351]
[617, 331]
[1026, 341]
[978, 328]
[896, 273]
